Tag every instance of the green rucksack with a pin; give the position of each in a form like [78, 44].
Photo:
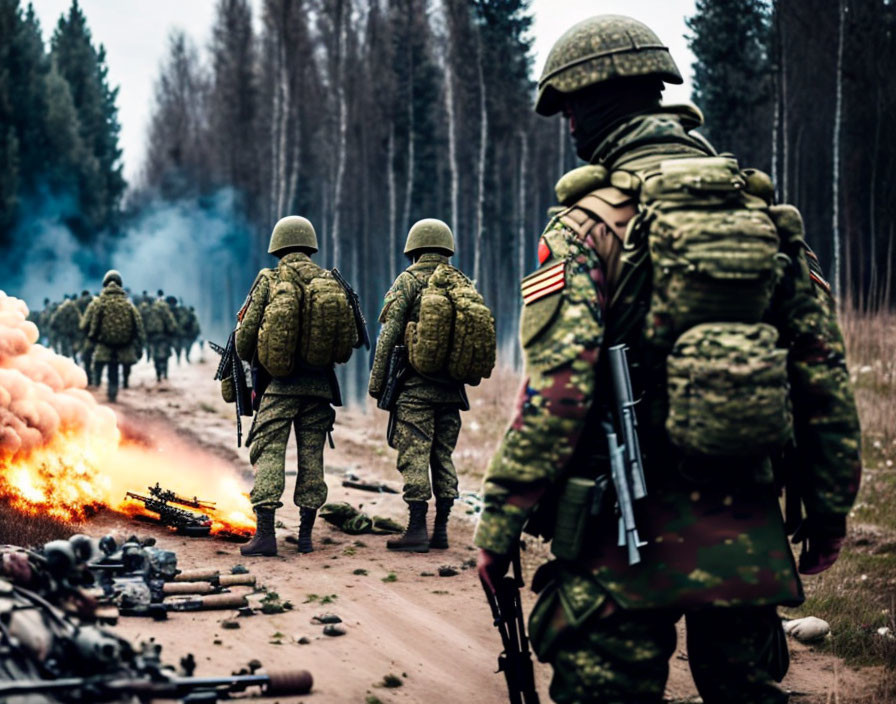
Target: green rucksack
[455, 331]
[153, 324]
[714, 255]
[114, 323]
[307, 321]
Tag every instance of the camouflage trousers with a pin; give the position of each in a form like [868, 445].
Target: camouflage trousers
[619, 656]
[313, 419]
[160, 351]
[425, 435]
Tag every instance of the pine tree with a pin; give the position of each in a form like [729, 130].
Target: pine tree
[732, 75]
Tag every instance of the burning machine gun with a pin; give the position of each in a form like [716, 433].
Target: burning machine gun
[160, 501]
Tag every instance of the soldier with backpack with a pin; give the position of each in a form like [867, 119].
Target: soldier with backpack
[736, 360]
[114, 327]
[435, 316]
[161, 329]
[64, 325]
[296, 324]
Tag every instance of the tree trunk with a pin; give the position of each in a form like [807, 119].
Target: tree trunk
[480, 169]
[342, 13]
[390, 183]
[835, 149]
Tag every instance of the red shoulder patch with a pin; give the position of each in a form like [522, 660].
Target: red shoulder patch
[544, 252]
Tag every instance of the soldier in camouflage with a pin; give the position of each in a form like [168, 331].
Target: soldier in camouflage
[427, 410]
[84, 344]
[715, 553]
[161, 328]
[114, 326]
[303, 401]
[64, 324]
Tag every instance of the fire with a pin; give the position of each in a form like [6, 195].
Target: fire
[63, 455]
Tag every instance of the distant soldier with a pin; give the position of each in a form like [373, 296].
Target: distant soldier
[85, 346]
[115, 327]
[160, 327]
[667, 259]
[64, 325]
[182, 316]
[191, 331]
[425, 421]
[296, 324]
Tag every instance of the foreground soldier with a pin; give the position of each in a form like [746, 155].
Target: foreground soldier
[303, 397]
[714, 545]
[426, 413]
[114, 327]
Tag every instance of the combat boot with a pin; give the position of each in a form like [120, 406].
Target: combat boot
[415, 538]
[264, 543]
[439, 539]
[306, 523]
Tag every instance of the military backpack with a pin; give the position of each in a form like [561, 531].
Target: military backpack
[455, 331]
[308, 321]
[715, 258]
[114, 323]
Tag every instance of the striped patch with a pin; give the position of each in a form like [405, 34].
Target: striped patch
[544, 283]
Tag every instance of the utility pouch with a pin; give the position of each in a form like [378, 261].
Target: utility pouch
[573, 512]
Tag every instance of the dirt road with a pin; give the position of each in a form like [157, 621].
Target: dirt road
[433, 633]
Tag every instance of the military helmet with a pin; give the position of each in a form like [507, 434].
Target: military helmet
[599, 49]
[429, 233]
[293, 231]
[112, 275]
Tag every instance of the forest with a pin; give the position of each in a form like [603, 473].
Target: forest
[366, 115]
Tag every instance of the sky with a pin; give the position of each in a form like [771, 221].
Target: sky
[135, 32]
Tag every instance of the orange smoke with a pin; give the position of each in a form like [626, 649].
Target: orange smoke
[62, 454]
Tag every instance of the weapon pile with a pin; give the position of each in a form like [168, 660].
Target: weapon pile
[53, 648]
[167, 505]
[139, 579]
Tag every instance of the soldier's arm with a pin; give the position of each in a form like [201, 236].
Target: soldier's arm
[826, 423]
[87, 318]
[138, 326]
[561, 333]
[250, 317]
[393, 319]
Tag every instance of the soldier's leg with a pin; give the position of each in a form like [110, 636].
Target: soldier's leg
[737, 654]
[444, 476]
[125, 375]
[622, 658]
[315, 421]
[112, 391]
[98, 373]
[414, 429]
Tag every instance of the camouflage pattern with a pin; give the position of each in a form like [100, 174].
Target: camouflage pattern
[64, 325]
[599, 49]
[425, 436]
[429, 233]
[165, 331]
[83, 301]
[103, 352]
[601, 654]
[707, 546]
[313, 419]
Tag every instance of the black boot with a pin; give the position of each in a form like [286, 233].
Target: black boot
[264, 544]
[415, 538]
[306, 523]
[439, 539]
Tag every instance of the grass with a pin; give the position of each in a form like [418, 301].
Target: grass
[31, 530]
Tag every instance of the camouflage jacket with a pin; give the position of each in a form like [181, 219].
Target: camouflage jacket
[307, 382]
[66, 319]
[91, 323]
[401, 306]
[706, 545]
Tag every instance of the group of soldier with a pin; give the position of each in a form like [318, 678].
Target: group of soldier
[664, 247]
[160, 327]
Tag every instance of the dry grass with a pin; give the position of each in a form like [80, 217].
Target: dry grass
[30, 530]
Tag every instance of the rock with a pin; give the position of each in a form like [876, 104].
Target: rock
[326, 618]
[303, 640]
[334, 630]
[239, 569]
[447, 571]
[230, 624]
[808, 629]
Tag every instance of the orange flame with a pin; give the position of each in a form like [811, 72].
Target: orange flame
[62, 453]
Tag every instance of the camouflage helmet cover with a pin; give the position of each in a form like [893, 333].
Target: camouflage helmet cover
[293, 231]
[112, 275]
[599, 49]
[429, 233]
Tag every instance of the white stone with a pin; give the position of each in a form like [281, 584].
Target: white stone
[808, 629]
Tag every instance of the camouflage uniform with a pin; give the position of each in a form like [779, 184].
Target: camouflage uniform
[716, 553]
[64, 325]
[303, 401]
[427, 411]
[161, 328]
[193, 331]
[43, 324]
[104, 352]
[86, 346]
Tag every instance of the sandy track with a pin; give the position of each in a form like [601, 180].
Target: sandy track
[433, 632]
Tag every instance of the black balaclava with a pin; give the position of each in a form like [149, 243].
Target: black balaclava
[597, 110]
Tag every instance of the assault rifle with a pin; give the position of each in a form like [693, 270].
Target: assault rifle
[355, 303]
[146, 687]
[231, 367]
[396, 371]
[187, 522]
[515, 661]
[626, 464]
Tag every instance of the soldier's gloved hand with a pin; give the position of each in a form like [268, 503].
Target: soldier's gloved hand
[819, 554]
[492, 567]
